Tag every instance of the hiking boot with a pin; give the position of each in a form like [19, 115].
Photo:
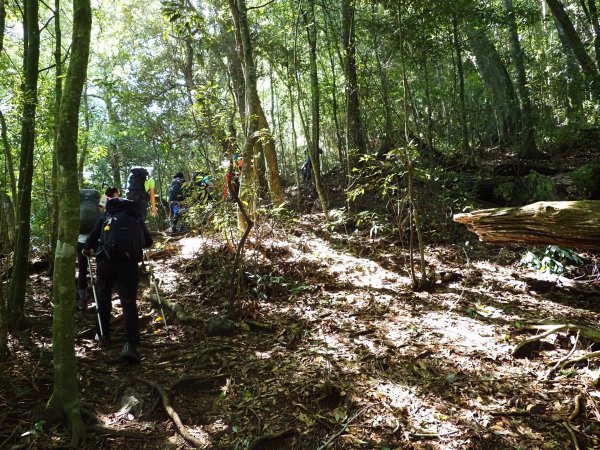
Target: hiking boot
[130, 353]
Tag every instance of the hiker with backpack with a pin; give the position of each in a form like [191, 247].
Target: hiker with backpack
[140, 189]
[89, 213]
[175, 196]
[118, 242]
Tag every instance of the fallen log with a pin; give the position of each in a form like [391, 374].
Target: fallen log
[573, 224]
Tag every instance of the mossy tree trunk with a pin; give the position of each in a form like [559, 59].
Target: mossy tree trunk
[65, 394]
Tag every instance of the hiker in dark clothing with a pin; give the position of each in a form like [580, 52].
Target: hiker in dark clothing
[306, 169]
[176, 195]
[119, 268]
[82, 263]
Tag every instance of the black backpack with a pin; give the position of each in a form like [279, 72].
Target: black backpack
[122, 235]
[176, 190]
[88, 209]
[136, 189]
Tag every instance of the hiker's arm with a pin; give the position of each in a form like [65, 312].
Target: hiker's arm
[92, 240]
[152, 201]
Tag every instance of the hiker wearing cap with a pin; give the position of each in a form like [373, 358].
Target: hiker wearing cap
[175, 196]
[118, 241]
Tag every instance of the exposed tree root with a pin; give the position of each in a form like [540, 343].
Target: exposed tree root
[586, 332]
[175, 307]
[173, 415]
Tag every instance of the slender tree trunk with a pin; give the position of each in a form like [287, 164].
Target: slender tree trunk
[575, 94]
[57, 96]
[9, 164]
[31, 56]
[464, 126]
[65, 394]
[355, 134]
[311, 33]
[84, 148]
[593, 10]
[4, 249]
[256, 119]
[527, 146]
[572, 38]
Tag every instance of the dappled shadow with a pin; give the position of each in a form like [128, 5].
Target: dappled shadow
[330, 348]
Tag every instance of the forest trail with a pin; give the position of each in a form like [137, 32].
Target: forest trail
[332, 350]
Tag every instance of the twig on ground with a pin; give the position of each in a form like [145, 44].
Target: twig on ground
[344, 427]
[555, 329]
[173, 415]
[562, 360]
[434, 435]
[585, 357]
[576, 408]
[572, 435]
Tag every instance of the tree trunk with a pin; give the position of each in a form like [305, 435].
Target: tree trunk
[4, 240]
[464, 126]
[31, 57]
[572, 38]
[497, 82]
[355, 135]
[65, 394]
[311, 34]
[593, 10]
[58, 69]
[574, 79]
[570, 224]
[84, 147]
[527, 146]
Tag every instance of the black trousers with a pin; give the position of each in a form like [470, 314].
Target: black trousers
[123, 275]
[82, 267]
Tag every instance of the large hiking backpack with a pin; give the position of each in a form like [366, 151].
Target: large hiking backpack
[136, 189]
[122, 235]
[88, 209]
[176, 190]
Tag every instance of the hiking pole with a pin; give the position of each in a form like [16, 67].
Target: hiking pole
[95, 297]
[153, 281]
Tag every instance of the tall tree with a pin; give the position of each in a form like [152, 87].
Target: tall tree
[31, 58]
[311, 33]
[57, 96]
[527, 148]
[586, 63]
[3, 234]
[496, 79]
[355, 134]
[256, 122]
[65, 394]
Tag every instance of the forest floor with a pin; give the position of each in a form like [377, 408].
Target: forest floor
[331, 349]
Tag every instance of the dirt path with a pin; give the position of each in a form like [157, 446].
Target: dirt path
[332, 350]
